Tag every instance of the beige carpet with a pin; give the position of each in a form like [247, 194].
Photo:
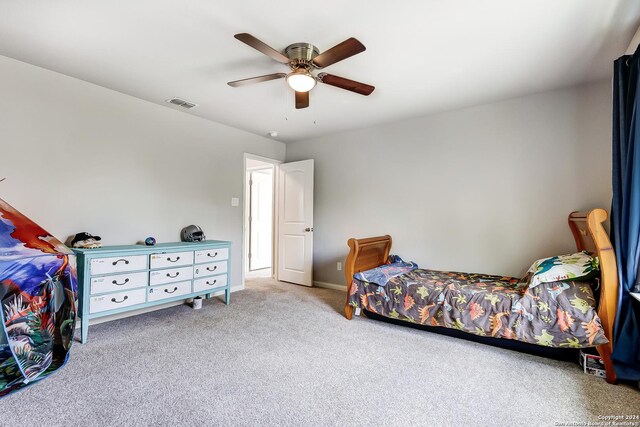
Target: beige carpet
[282, 354]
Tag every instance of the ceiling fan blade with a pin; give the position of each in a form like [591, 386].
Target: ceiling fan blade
[248, 39]
[302, 100]
[339, 52]
[342, 83]
[252, 80]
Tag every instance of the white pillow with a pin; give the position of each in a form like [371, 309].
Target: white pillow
[564, 267]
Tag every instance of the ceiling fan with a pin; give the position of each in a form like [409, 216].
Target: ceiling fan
[302, 59]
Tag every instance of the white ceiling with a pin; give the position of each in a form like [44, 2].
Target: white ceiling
[423, 56]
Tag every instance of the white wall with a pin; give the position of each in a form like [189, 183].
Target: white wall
[79, 157]
[482, 189]
[485, 189]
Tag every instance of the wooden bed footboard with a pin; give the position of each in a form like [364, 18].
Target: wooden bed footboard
[589, 234]
[364, 254]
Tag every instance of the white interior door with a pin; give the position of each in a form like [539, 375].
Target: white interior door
[295, 222]
[260, 219]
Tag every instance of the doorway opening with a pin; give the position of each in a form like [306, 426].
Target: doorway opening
[259, 207]
[278, 221]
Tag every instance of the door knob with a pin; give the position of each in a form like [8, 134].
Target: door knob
[308, 229]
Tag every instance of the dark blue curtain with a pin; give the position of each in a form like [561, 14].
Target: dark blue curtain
[625, 212]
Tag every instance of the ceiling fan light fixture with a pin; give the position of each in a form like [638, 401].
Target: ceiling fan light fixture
[301, 80]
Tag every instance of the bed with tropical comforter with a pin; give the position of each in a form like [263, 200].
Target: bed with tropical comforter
[533, 310]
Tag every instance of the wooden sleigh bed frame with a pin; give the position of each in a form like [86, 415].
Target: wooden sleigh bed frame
[589, 234]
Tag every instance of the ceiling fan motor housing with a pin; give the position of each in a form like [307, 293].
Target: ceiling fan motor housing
[301, 52]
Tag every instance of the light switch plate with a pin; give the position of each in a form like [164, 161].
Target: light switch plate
[235, 201]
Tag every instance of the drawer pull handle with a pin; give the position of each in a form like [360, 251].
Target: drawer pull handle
[118, 302]
[212, 256]
[212, 283]
[176, 275]
[173, 260]
[115, 282]
[212, 269]
[170, 292]
[126, 261]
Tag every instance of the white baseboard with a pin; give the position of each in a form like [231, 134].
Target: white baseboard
[327, 285]
[150, 309]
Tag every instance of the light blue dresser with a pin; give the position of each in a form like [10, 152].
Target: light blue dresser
[117, 279]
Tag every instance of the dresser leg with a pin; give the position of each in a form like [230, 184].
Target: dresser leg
[227, 294]
[85, 330]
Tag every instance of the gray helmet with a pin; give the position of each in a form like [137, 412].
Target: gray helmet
[192, 233]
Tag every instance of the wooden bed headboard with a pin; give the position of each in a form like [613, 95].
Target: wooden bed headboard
[589, 234]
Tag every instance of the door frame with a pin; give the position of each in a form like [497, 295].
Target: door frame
[245, 213]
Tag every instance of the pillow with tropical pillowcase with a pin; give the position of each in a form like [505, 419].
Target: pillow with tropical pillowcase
[576, 266]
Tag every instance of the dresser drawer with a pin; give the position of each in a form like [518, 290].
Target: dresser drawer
[172, 259]
[117, 300]
[209, 283]
[208, 255]
[169, 291]
[210, 269]
[169, 275]
[118, 264]
[118, 282]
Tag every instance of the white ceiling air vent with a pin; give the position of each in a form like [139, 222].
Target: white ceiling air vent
[181, 103]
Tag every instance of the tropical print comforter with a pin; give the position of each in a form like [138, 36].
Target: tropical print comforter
[558, 314]
[38, 291]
